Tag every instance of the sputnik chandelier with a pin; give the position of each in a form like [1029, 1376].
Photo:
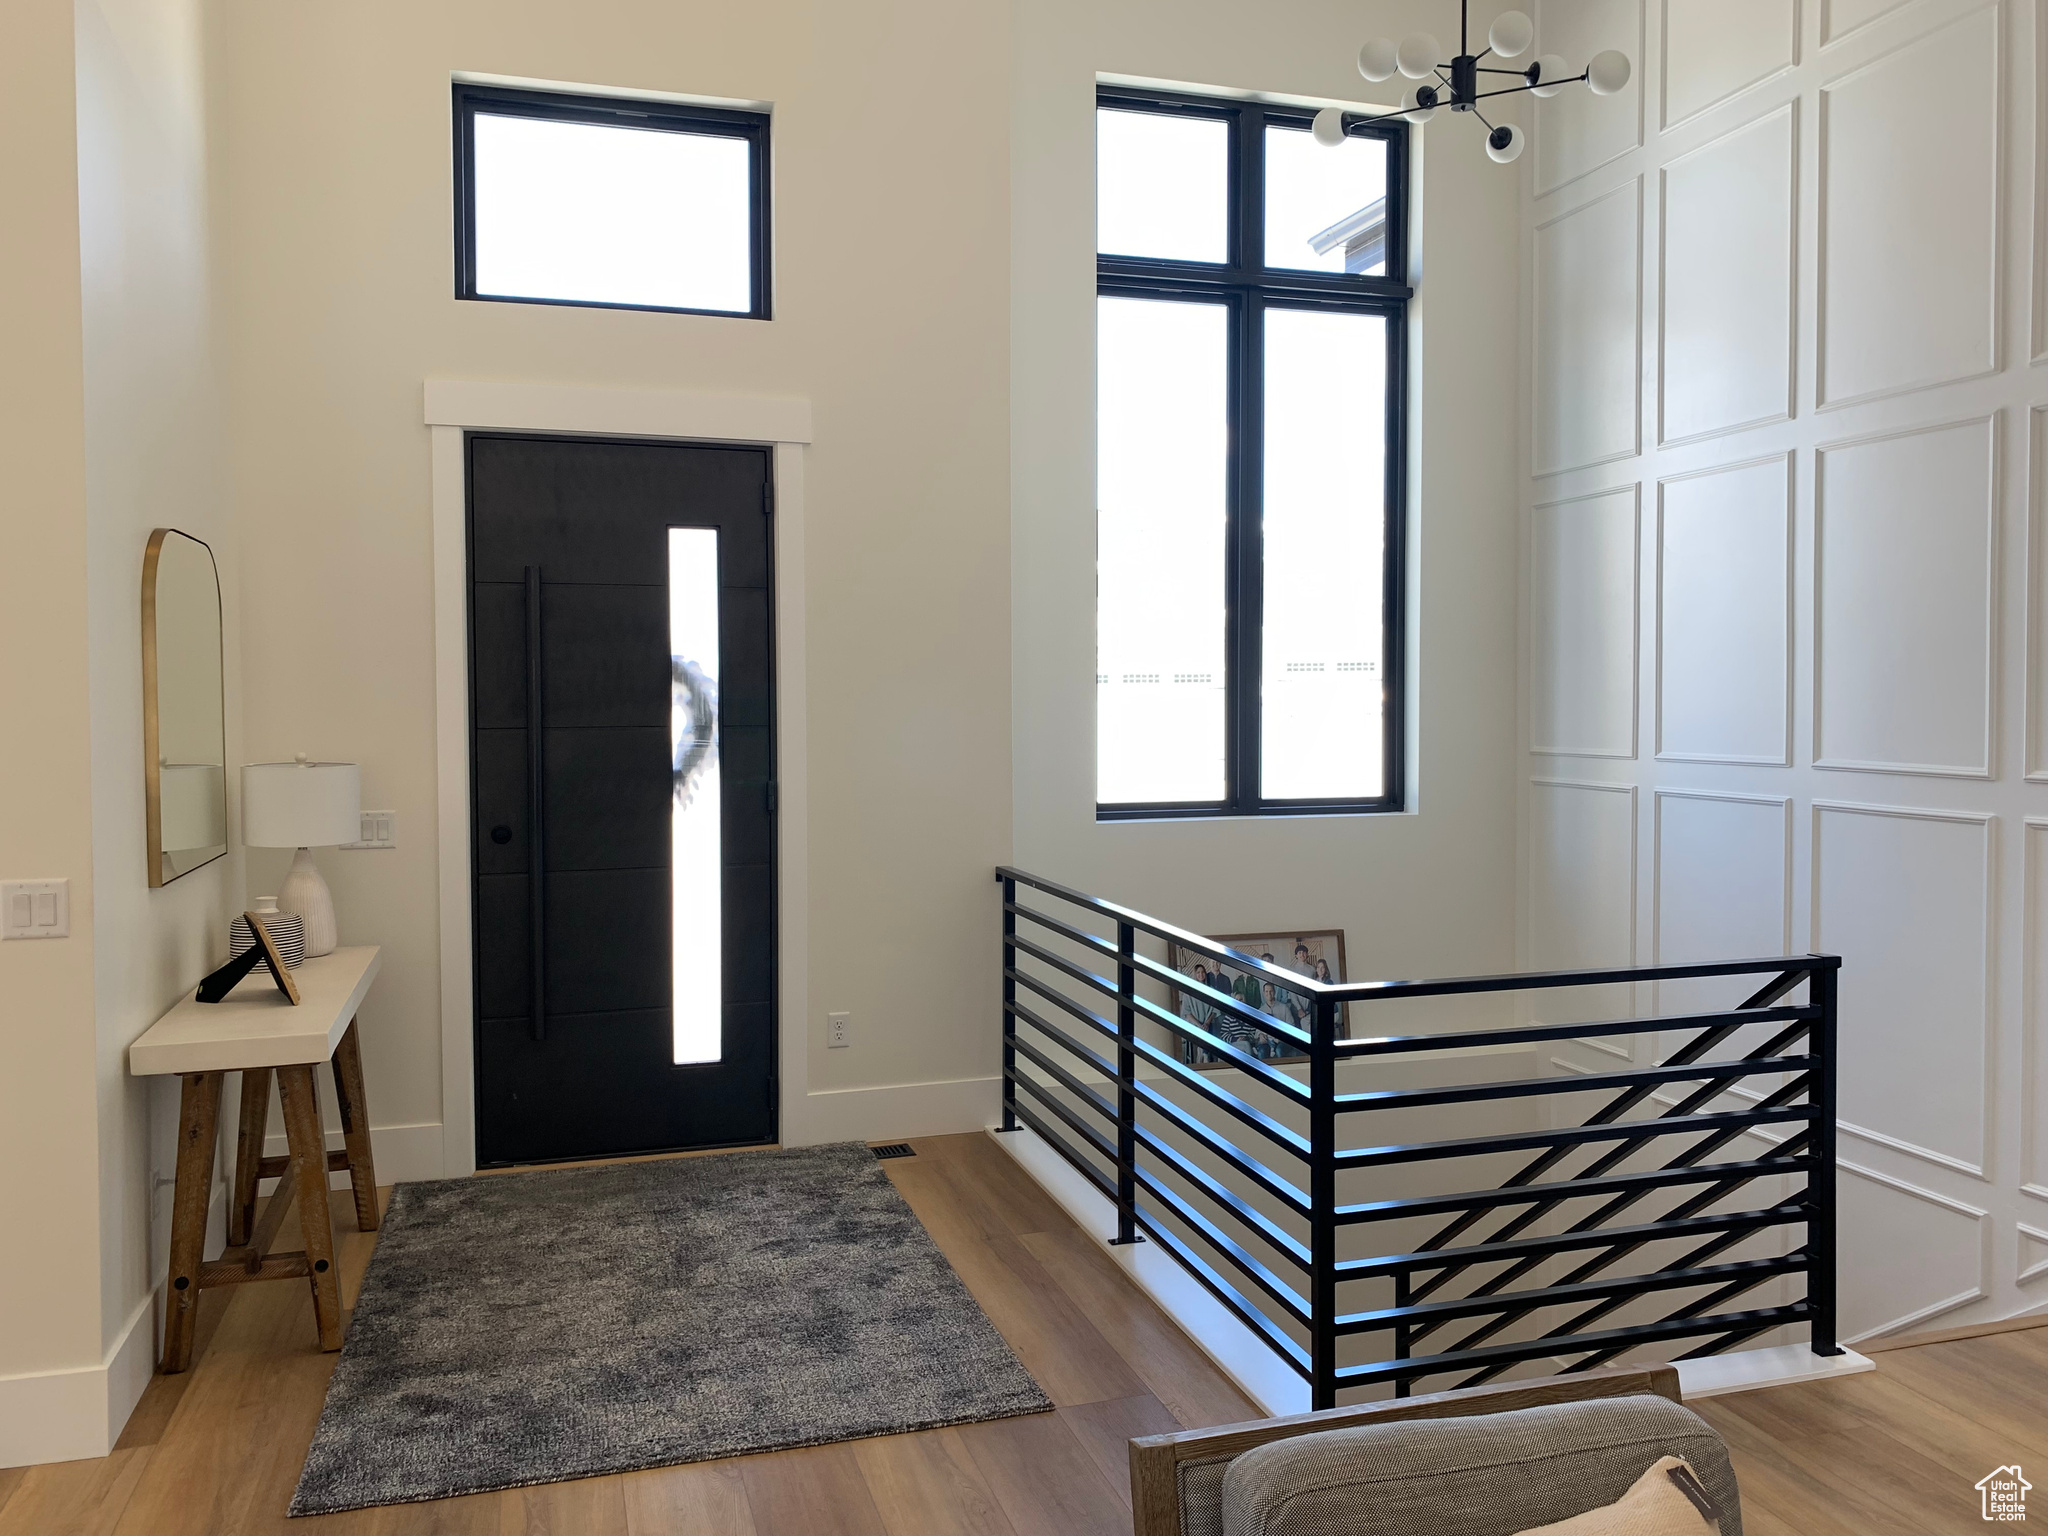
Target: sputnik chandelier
[1457, 84]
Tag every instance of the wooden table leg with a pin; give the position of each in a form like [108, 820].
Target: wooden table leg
[198, 1125]
[355, 1127]
[296, 1087]
[249, 1134]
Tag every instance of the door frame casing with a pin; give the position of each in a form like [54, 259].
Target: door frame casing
[457, 407]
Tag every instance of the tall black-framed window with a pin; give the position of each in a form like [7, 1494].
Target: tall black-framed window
[1250, 420]
[610, 202]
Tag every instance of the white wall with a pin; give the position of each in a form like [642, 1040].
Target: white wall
[1782, 648]
[47, 1110]
[1423, 893]
[891, 318]
[109, 427]
[151, 456]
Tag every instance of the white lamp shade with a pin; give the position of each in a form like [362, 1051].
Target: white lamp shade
[1511, 34]
[1418, 55]
[1329, 127]
[1551, 75]
[301, 805]
[1608, 72]
[1379, 59]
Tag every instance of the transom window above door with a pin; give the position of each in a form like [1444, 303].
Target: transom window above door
[1251, 316]
[610, 202]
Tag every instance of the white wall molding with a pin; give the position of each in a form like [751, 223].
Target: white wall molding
[1976, 1165]
[1906, 94]
[1579, 29]
[1565, 254]
[489, 405]
[1558, 619]
[1985, 746]
[895, 1110]
[1726, 26]
[2034, 663]
[71, 1415]
[1787, 583]
[1783, 403]
[454, 406]
[1980, 1291]
[404, 1154]
[2033, 1047]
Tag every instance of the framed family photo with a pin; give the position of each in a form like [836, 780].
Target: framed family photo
[1316, 954]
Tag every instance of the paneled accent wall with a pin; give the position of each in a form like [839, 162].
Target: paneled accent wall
[1785, 571]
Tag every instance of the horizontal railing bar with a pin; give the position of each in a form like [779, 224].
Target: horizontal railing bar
[1772, 992]
[1260, 1225]
[1216, 997]
[1199, 943]
[1245, 1263]
[1227, 1151]
[1596, 1082]
[1518, 1302]
[1365, 992]
[1565, 1136]
[1097, 944]
[1288, 1140]
[1563, 1189]
[1790, 1214]
[1567, 1344]
[1597, 1220]
[1623, 1150]
[1536, 981]
[1387, 1045]
[1225, 1293]
[1280, 1082]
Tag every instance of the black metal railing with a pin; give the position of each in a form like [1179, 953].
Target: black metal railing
[1251, 1149]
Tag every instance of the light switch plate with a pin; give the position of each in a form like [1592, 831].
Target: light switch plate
[378, 830]
[35, 909]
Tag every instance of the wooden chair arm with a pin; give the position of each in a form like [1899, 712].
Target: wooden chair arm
[1156, 1459]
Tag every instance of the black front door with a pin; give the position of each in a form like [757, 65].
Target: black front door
[622, 793]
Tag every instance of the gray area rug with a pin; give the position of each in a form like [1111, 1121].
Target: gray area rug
[531, 1327]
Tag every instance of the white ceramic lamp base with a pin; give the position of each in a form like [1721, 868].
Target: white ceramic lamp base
[305, 894]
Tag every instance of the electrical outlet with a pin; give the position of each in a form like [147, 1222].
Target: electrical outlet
[838, 1028]
[377, 830]
[35, 909]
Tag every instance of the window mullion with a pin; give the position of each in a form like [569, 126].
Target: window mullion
[1248, 551]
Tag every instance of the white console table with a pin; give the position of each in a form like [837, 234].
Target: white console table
[256, 1032]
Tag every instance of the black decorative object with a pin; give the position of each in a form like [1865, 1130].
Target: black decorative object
[223, 981]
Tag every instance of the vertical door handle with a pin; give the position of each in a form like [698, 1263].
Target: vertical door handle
[536, 808]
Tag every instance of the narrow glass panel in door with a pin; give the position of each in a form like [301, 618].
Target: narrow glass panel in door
[695, 876]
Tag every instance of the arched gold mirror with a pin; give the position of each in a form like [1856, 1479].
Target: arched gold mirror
[184, 735]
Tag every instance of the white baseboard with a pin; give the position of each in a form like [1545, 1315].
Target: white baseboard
[891, 1112]
[404, 1154]
[73, 1414]
[1245, 1358]
[1238, 1352]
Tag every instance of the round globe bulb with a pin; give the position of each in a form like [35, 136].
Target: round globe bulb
[1379, 60]
[1414, 108]
[1329, 127]
[1417, 56]
[1504, 144]
[1608, 72]
[1511, 35]
[1551, 71]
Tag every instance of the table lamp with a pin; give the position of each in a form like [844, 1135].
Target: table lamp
[303, 805]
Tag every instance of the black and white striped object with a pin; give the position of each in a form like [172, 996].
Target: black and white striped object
[287, 931]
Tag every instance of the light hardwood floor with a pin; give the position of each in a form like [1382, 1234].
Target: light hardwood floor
[215, 1452]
